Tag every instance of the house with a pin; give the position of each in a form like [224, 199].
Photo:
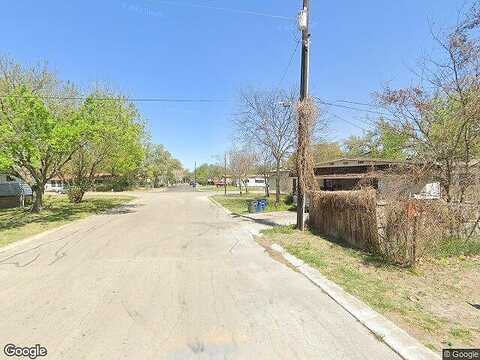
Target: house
[285, 183]
[55, 185]
[60, 185]
[13, 192]
[252, 181]
[350, 174]
[255, 181]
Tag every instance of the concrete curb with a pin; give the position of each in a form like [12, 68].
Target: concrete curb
[397, 339]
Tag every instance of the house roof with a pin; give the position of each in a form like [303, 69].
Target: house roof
[360, 162]
[97, 176]
[15, 188]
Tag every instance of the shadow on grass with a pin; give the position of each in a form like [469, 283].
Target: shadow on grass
[476, 306]
[267, 222]
[60, 210]
[367, 258]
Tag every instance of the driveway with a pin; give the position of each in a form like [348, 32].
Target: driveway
[171, 276]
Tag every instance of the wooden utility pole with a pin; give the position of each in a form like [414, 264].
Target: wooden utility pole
[195, 177]
[303, 22]
[225, 175]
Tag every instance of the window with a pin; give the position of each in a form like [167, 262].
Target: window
[259, 181]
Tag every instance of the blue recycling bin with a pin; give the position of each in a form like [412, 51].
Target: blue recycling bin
[262, 205]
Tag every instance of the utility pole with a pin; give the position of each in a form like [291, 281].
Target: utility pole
[225, 175]
[195, 177]
[303, 23]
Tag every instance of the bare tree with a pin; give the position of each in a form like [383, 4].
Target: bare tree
[264, 167]
[241, 164]
[268, 121]
[441, 114]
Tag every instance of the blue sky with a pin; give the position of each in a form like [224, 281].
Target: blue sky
[198, 49]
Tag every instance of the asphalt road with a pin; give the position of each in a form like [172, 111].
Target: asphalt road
[171, 276]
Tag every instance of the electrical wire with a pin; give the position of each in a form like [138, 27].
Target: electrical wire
[350, 107]
[237, 11]
[290, 62]
[171, 100]
[349, 122]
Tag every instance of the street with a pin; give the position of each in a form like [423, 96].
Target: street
[170, 276]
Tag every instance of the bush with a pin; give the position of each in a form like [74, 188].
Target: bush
[412, 229]
[75, 194]
[289, 199]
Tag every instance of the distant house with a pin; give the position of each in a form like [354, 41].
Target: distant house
[252, 181]
[13, 192]
[60, 185]
[55, 185]
[255, 181]
[286, 183]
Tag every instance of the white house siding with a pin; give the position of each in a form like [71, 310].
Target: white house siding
[256, 182]
[54, 185]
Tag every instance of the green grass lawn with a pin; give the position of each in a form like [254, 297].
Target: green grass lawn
[239, 204]
[435, 302]
[17, 224]
[213, 188]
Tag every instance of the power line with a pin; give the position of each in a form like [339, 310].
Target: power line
[350, 107]
[348, 122]
[171, 100]
[238, 11]
[289, 62]
[355, 103]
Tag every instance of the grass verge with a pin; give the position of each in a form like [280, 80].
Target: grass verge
[239, 204]
[213, 188]
[437, 302]
[17, 224]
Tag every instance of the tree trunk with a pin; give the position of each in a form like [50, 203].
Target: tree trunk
[38, 203]
[267, 190]
[81, 194]
[277, 184]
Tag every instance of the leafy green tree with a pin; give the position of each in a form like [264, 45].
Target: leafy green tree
[111, 141]
[207, 172]
[36, 140]
[161, 166]
[327, 151]
[384, 142]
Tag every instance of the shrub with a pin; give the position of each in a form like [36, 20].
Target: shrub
[75, 194]
[289, 199]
